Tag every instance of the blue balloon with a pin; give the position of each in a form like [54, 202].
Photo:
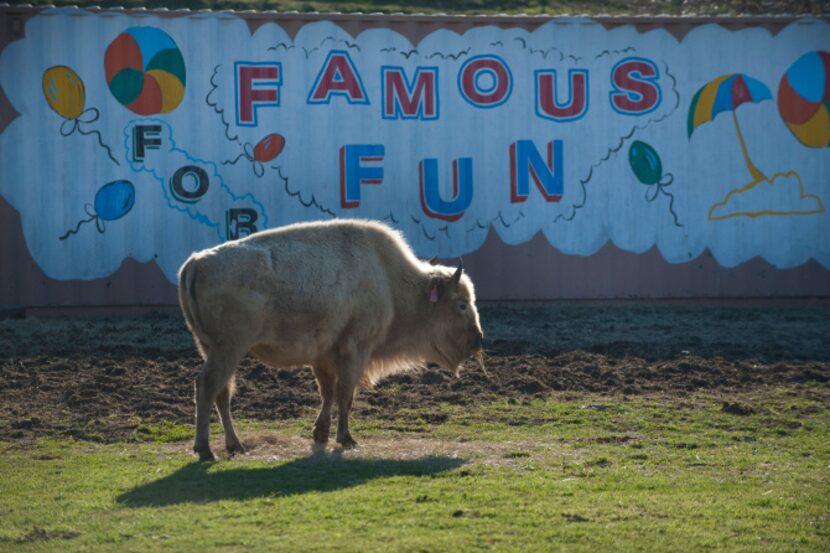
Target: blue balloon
[114, 200]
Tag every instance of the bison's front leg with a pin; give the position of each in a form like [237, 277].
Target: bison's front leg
[350, 371]
[326, 381]
[345, 397]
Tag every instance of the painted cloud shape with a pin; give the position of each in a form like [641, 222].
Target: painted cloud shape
[781, 195]
[521, 132]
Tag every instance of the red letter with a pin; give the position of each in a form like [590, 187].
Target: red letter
[250, 92]
[338, 76]
[635, 86]
[547, 104]
[501, 84]
[404, 101]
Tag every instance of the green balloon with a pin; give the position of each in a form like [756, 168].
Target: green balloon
[645, 163]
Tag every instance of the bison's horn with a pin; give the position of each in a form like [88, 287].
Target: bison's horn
[433, 260]
[457, 275]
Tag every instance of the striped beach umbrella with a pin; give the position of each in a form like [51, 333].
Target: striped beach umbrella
[726, 93]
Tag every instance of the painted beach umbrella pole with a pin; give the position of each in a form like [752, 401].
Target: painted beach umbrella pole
[112, 201]
[265, 150]
[64, 92]
[727, 93]
[648, 169]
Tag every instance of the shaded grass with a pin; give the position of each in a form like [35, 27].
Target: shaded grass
[321, 472]
[579, 473]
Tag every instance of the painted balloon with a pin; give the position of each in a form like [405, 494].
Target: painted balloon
[114, 200]
[145, 71]
[648, 169]
[804, 99]
[64, 91]
[269, 147]
[645, 163]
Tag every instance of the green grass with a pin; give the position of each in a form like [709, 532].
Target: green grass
[585, 473]
[163, 432]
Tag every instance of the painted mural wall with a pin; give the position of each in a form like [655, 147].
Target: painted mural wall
[149, 137]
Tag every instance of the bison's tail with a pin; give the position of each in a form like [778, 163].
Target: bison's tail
[187, 300]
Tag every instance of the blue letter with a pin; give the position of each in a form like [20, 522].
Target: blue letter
[353, 174]
[432, 203]
[525, 160]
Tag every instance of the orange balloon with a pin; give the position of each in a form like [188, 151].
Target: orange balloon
[269, 147]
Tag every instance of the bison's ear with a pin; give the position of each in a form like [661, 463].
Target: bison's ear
[434, 294]
[436, 290]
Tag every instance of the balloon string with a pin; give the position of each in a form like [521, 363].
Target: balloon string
[660, 188]
[259, 170]
[671, 204]
[233, 162]
[74, 123]
[75, 231]
[100, 141]
[249, 151]
[88, 116]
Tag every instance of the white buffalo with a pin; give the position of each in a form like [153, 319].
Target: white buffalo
[347, 297]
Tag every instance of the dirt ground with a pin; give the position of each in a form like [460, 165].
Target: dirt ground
[102, 378]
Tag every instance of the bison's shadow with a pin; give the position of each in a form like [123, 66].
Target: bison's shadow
[202, 482]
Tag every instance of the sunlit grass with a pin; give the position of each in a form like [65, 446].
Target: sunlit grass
[583, 473]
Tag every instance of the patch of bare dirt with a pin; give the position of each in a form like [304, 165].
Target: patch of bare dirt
[100, 379]
[270, 445]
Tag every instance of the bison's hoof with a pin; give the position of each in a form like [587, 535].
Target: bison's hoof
[347, 442]
[321, 435]
[235, 448]
[205, 454]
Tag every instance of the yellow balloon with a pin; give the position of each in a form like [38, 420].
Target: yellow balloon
[64, 91]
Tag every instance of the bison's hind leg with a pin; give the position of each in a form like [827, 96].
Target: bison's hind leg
[223, 406]
[213, 379]
[201, 347]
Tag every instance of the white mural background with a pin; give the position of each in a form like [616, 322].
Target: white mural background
[51, 173]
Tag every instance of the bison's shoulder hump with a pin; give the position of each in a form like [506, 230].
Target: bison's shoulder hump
[355, 229]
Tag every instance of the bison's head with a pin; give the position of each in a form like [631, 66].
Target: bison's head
[455, 332]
